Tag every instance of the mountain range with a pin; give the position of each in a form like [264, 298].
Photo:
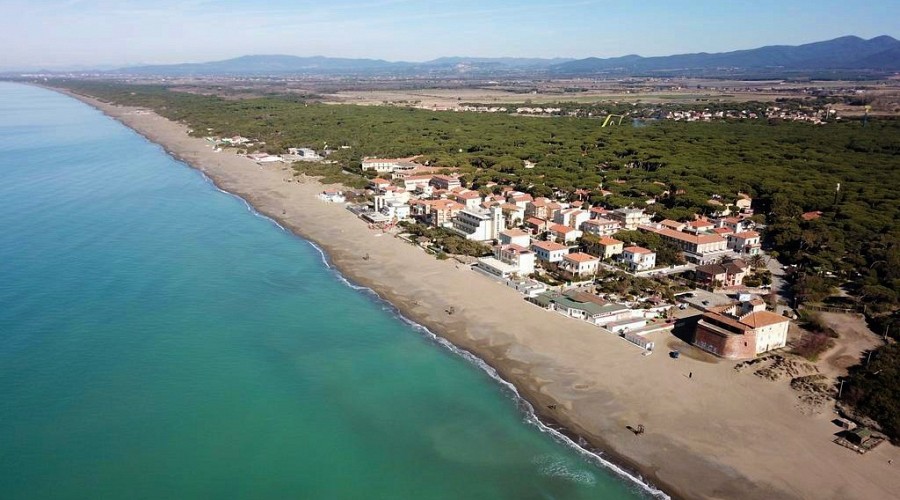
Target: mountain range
[846, 54]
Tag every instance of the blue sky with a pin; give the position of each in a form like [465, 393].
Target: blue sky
[56, 33]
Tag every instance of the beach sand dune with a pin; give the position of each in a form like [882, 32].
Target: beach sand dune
[719, 434]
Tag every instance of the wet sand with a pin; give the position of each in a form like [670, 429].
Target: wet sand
[718, 434]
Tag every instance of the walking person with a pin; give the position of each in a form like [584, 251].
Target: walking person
[691, 375]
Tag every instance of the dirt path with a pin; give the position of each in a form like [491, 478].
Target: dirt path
[855, 339]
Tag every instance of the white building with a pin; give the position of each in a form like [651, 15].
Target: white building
[745, 243]
[549, 251]
[332, 196]
[515, 237]
[398, 197]
[629, 218]
[479, 225]
[572, 217]
[639, 258]
[382, 165]
[565, 234]
[601, 227]
[580, 264]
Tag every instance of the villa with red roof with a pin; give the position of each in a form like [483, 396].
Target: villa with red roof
[639, 258]
[579, 264]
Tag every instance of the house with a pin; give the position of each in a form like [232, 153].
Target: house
[515, 237]
[516, 255]
[610, 247]
[639, 258]
[537, 225]
[808, 216]
[741, 336]
[479, 225]
[508, 261]
[383, 165]
[598, 213]
[538, 208]
[699, 226]
[378, 184]
[579, 264]
[582, 305]
[415, 182]
[396, 196]
[518, 198]
[564, 234]
[445, 182]
[396, 210]
[549, 251]
[673, 225]
[438, 213]
[629, 218]
[697, 248]
[471, 199]
[513, 214]
[719, 275]
[745, 242]
[736, 224]
[572, 217]
[601, 227]
[333, 196]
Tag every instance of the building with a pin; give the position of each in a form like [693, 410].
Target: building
[699, 226]
[673, 225]
[579, 264]
[515, 237]
[564, 234]
[508, 261]
[697, 248]
[333, 196]
[538, 208]
[445, 182]
[378, 184]
[518, 198]
[598, 213]
[601, 227]
[610, 247]
[549, 251]
[745, 242]
[471, 199]
[582, 305]
[572, 217]
[415, 182]
[629, 218]
[736, 224]
[719, 275]
[438, 213]
[741, 337]
[383, 165]
[479, 225]
[639, 258]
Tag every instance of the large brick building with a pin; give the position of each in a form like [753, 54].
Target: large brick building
[741, 337]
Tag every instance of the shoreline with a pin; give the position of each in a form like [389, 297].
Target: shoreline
[557, 431]
[550, 360]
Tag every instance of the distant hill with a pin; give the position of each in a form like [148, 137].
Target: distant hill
[283, 64]
[848, 54]
[845, 53]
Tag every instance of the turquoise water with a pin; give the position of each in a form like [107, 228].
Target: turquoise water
[160, 340]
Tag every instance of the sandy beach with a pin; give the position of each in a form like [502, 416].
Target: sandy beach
[718, 434]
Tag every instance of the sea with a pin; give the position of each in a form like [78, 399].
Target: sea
[160, 339]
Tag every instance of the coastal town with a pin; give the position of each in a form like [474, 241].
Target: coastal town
[572, 258]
